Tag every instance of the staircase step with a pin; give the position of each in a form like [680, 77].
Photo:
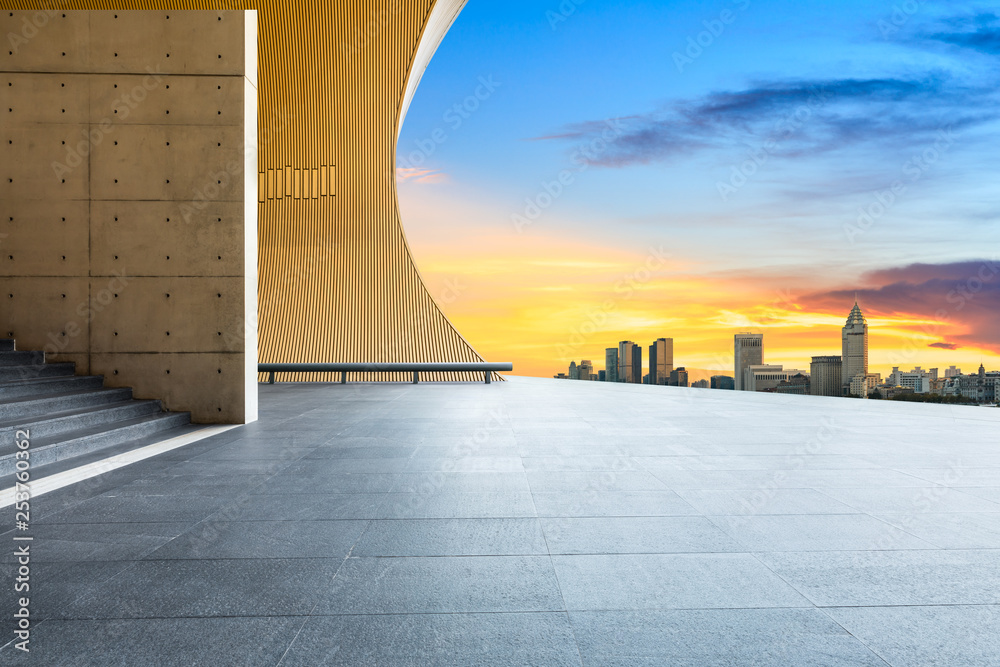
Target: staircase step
[84, 441]
[6, 344]
[36, 407]
[55, 424]
[10, 391]
[11, 358]
[15, 373]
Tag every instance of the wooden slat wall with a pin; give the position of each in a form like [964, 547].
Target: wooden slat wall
[337, 281]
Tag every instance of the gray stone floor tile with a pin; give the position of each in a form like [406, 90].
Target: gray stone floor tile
[457, 505]
[671, 581]
[598, 502]
[603, 482]
[55, 585]
[953, 530]
[195, 588]
[908, 499]
[302, 507]
[717, 638]
[138, 509]
[443, 585]
[462, 463]
[163, 642]
[452, 537]
[636, 535]
[217, 537]
[772, 500]
[301, 480]
[94, 542]
[870, 578]
[579, 463]
[939, 636]
[443, 640]
[434, 482]
[816, 532]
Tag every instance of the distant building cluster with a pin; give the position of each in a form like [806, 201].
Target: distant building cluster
[624, 364]
[844, 375]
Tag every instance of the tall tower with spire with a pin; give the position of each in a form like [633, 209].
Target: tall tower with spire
[854, 340]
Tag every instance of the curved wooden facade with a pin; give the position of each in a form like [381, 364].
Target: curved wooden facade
[337, 281]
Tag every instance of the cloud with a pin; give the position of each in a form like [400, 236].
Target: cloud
[799, 117]
[960, 300]
[418, 175]
[979, 32]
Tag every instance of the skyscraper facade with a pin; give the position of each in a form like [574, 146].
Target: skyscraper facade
[574, 372]
[586, 370]
[723, 382]
[661, 360]
[855, 346]
[629, 362]
[749, 352]
[611, 364]
[678, 377]
[825, 372]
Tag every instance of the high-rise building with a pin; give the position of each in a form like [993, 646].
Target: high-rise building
[723, 382]
[611, 364]
[678, 377]
[855, 346]
[982, 386]
[825, 376]
[862, 385]
[796, 384]
[700, 384]
[918, 379]
[586, 369]
[574, 372]
[661, 360]
[629, 362]
[749, 352]
[765, 377]
[951, 372]
[602, 376]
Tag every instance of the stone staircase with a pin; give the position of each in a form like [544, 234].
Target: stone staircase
[69, 416]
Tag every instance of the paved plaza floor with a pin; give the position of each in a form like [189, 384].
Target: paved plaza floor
[532, 522]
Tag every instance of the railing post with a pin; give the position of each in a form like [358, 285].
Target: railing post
[270, 380]
[487, 377]
[343, 377]
[416, 377]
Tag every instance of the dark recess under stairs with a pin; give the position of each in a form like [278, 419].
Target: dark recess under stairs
[70, 416]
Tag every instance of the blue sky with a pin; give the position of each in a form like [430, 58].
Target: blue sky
[841, 103]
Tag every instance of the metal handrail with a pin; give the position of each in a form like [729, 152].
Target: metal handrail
[485, 367]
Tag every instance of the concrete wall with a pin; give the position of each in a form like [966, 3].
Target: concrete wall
[127, 216]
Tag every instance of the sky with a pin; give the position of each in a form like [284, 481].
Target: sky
[579, 173]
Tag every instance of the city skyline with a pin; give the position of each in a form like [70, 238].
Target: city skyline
[638, 240]
[838, 373]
